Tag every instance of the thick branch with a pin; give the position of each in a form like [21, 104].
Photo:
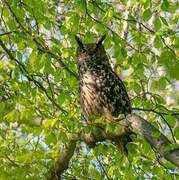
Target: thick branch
[141, 127]
[63, 161]
[90, 139]
[154, 137]
[136, 124]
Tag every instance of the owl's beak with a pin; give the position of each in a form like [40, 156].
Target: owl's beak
[80, 44]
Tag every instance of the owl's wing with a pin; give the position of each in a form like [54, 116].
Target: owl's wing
[116, 95]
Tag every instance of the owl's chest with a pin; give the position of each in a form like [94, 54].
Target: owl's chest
[90, 94]
[91, 84]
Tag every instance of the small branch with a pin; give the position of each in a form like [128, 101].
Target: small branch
[7, 33]
[167, 46]
[153, 110]
[103, 169]
[125, 28]
[30, 77]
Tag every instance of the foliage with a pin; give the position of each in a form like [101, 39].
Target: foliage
[39, 89]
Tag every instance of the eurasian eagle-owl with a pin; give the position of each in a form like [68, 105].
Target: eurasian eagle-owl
[102, 93]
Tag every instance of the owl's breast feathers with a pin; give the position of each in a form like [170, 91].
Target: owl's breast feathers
[102, 93]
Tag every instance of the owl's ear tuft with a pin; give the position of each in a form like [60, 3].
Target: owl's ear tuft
[101, 40]
[80, 44]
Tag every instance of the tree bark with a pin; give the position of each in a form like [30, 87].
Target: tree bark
[154, 137]
[136, 124]
[63, 161]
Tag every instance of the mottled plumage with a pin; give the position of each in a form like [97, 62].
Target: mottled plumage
[102, 93]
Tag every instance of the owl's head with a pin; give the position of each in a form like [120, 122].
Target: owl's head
[91, 52]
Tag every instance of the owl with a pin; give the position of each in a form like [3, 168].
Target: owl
[102, 93]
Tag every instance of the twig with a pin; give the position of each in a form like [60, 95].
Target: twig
[41, 46]
[153, 110]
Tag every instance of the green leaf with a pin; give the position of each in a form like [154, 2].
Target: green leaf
[169, 60]
[108, 15]
[64, 30]
[11, 24]
[132, 148]
[117, 53]
[165, 6]
[123, 52]
[176, 42]
[176, 133]
[26, 116]
[66, 52]
[2, 106]
[171, 120]
[158, 42]
[81, 5]
[88, 37]
[109, 127]
[12, 116]
[154, 85]
[62, 97]
[166, 57]
[173, 70]
[58, 74]
[147, 14]
[157, 23]
[48, 67]
[50, 138]
[162, 83]
[50, 122]
[164, 20]
[136, 88]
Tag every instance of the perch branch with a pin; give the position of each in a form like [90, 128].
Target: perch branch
[136, 124]
[154, 137]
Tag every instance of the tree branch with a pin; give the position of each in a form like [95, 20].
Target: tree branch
[136, 124]
[30, 77]
[40, 43]
[161, 114]
[154, 137]
[63, 161]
